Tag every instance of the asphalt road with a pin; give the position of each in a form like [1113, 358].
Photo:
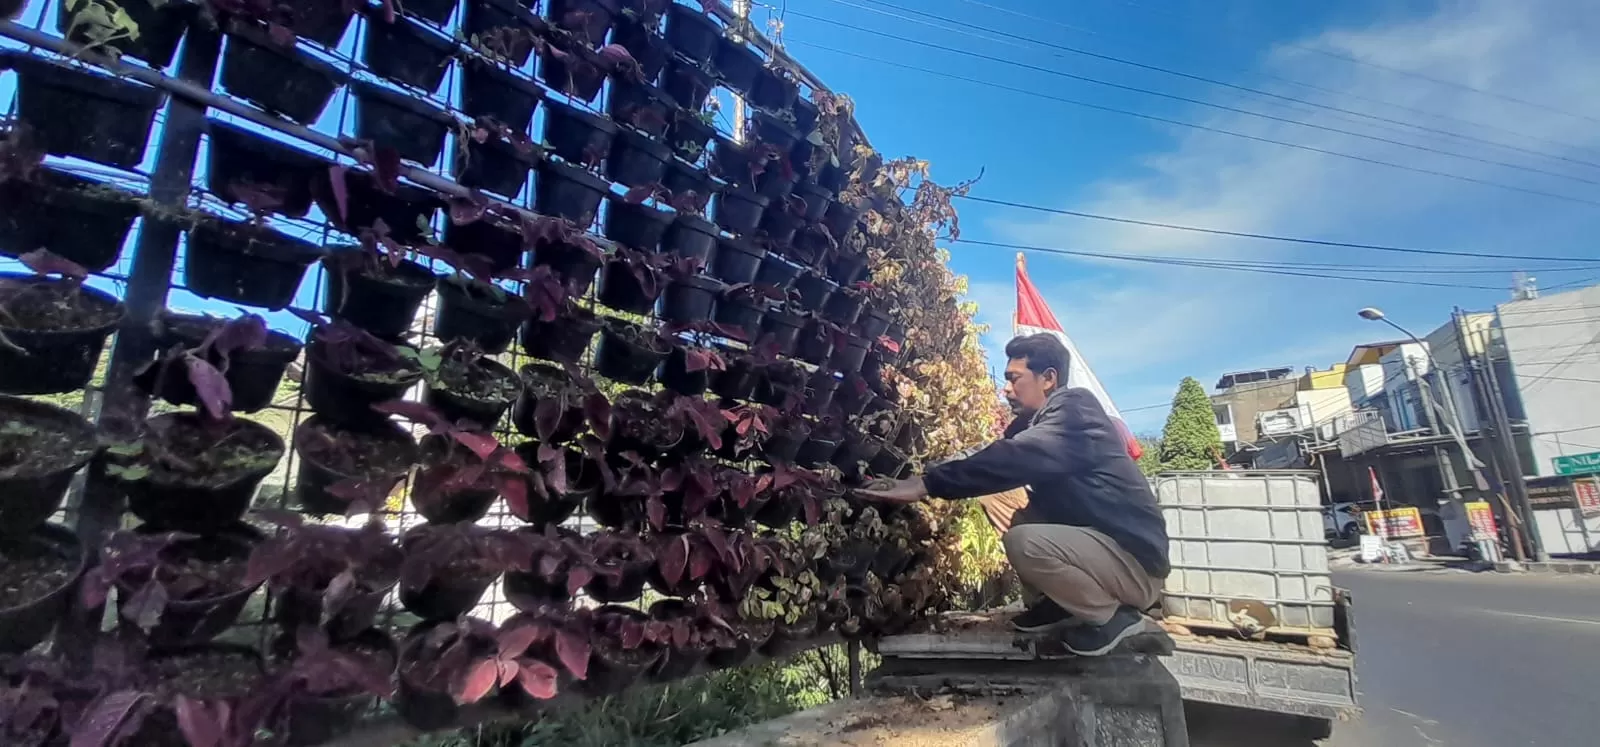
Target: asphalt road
[1459, 660]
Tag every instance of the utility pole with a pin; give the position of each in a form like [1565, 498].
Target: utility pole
[1491, 436]
[1508, 450]
[741, 12]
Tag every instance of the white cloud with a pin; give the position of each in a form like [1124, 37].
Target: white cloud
[1144, 326]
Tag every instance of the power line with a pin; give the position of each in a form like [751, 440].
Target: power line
[1202, 79]
[1213, 265]
[1266, 237]
[1323, 89]
[1390, 69]
[1201, 102]
[1204, 128]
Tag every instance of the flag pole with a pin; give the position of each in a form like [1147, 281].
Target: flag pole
[1022, 267]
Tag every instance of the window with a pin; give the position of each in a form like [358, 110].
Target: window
[1224, 414]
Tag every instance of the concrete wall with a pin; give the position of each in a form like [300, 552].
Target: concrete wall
[1318, 406]
[1250, 399]
[1554, 346]
[1329, 379]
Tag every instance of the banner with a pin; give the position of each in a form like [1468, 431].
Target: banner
[1395, 523]
[1481, 516]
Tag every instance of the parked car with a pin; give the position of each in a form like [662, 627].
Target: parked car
[1341, 520]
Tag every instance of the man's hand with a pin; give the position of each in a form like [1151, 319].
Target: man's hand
[894, 491]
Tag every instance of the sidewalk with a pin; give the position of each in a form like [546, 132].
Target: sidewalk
[1571, 567]
[1345, 559]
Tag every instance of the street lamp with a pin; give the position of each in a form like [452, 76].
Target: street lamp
[1373, 314]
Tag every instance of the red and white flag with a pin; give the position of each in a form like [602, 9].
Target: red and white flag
[1033, 316]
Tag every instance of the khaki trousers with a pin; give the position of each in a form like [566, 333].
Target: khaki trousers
[1079, 568]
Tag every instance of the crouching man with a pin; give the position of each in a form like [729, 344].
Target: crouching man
[1090, 543]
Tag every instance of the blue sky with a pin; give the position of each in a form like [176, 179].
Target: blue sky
[1143, 327]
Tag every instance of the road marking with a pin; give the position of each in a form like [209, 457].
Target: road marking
[1544, 617]
[1427, 721]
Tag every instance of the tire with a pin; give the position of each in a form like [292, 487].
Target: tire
[1351, 532]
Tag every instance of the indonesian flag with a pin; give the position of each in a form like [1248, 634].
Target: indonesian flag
[1033, 317]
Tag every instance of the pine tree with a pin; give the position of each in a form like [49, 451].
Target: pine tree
[1190, 441]
[1150, 459]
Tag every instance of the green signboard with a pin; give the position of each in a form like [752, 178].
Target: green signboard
[1578, 464]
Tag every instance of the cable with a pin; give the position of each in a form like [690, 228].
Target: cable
[1205, 128]
[1199, 78]
[1266, 237]
[1200, 102]
[1388, 68]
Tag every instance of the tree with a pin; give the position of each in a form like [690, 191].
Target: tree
[1190, 441]
[1150, 460]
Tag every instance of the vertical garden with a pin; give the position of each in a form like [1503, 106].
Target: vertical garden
[447, 361]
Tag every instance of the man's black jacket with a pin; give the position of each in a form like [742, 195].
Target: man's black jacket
[1076, 466]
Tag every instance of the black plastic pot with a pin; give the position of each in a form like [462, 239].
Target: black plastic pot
[817, 452]
[682, 178]
[465, 504]
[402, 209]
[317, 719]
[620, 289]
[690, 237]
[740, 313]
[648, 48]
[185, 502]
[736, 261]
[842, 308]
[582, 80]
[384, 306]
[847, 358]
[817, 198]
[840, 219]
[748, 637]
[772, 130]
[641, 106]
[277, 79]
[855, 450]
[410, 125]
[24, 625]
[686, 82]
[625, 360]
[635, 225]
[342, 398]
[811, 245]
[161, 26]
[445, 598]
[689, 300]
[488, 17]
[888, 462]
[737, 381]
[820, 390]
[406, 53]
[495, 165]
[805, 115]
[872, 324]
[553, 508]
[499, 241]
[33, 494]
[73, 112]
[567, 191]
[676, 376]
[589, 20]
[470, 315]
[317, 21]
[432, 11]
[51, 361]
[780, 223]
[692, 32]
[525, 412]
[676, 662]
[736, 64]
[845, 268]
[688, 135]
[574, 265]
[253, 375]
[783, 447]
[455, 406]
[565, 339]
[575, 134]
[636, 160]
[777, 271]
[775, 184]
[298, 607]
[814, 290]
[738, 210]
[488, 91]
[781, 329]
[816, 343]
[773, 91]
[608, 677]
[628, 588]
[188, 622]
[244, 164]
[78, 219]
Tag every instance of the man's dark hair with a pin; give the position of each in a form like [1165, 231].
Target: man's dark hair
[1041, 352]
